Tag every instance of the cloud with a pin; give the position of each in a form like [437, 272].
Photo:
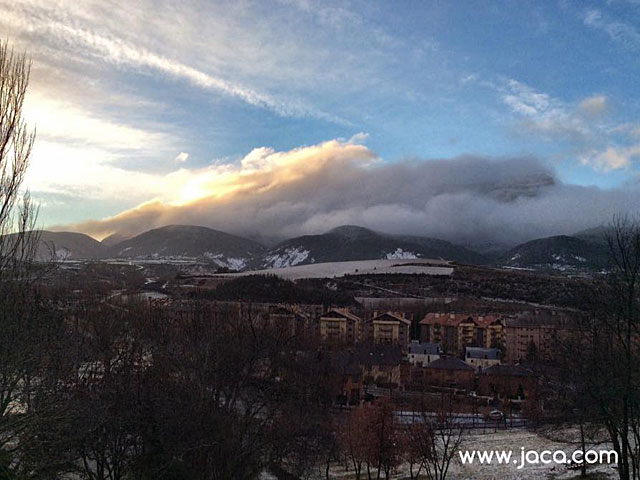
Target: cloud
[81, 35]
[594, 105]
[524, 99]
[579, 124]
[58, 120]
[182, 157]
[612, 158]
[632, 129]
[277, 194]
[624, 34]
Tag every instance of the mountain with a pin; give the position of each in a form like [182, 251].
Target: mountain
[595, 235]
[351, 242]
[113, 239]
[186, 242]
[69, 246]
[560, 253]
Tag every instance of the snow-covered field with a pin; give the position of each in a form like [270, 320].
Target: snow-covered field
[362, 267]
[512, 440]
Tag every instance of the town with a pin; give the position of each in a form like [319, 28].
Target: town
[319, 240]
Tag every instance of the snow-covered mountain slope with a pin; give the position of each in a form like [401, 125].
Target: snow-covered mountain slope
[186, 242]
[351, 243]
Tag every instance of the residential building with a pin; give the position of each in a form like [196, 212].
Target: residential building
[388, 328]
[449, 372]
[339, 326]
[423, 353]
[507, 381]
[456, 331]
[288, 318]
[481, 358]
[534, 336]
[380, 363]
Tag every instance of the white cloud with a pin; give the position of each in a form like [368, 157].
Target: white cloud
[57, 120]
[623, 33]
[524, 99]
[594, 105]
[228, 49]
[612, 158]
[182, 157]
[632, 129]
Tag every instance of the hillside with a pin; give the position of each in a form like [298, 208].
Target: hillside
[69, 246]
[560, 253]
[350, 243]
[192, 243]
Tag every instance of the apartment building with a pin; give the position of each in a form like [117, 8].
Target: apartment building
[289, 319]
[534, 336]
[388, 328]
[339, 326]
[456, 331]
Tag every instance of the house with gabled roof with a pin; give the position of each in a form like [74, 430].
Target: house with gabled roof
[288, 318]
[423, 353]
[507, 381]
[449, 372]
[388, 328]
[481, 358]
[340, 326]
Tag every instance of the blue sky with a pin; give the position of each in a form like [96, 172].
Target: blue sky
[134, 100]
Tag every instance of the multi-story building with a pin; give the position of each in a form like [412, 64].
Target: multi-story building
[339, 326]
[389, 328]
[291, 320]
[534, 336]
[457, 331]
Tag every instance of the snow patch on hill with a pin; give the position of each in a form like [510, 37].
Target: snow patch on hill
[227, 262]
[400, 254]
[290, 257]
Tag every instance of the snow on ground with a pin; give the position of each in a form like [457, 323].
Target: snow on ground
[228, 262]
[362, 267]
[292, 256]
[400, 254]
[512, 440]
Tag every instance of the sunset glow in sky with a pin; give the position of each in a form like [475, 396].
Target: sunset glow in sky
[168, 103]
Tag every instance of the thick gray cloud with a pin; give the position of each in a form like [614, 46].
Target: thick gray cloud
[470, 199]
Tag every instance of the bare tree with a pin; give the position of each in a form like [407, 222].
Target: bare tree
[23, 323]
[17, 212]
[606, 360]
[435, 436]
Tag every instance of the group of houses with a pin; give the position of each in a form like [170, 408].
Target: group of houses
[470, 354]
[425, 368]
[530, 336]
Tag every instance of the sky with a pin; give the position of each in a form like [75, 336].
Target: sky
[493, 121]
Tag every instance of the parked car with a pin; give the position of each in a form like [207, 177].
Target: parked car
[495, 415]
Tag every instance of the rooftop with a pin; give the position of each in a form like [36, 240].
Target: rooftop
[449, 363]
[424, 348]
[483, 353]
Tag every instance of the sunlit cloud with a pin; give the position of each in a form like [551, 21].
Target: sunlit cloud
[612, 158]
[57, 120]
[182, 157]
[278, 194]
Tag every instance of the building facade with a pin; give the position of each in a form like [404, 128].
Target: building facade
[389, 328]
[339, 326]
[456, 331]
